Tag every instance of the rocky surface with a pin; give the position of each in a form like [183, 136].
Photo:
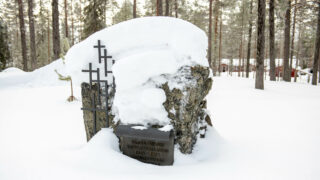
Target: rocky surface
[88, 116]
[185, 103]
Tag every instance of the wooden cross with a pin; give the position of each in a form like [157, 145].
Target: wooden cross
[99, 46]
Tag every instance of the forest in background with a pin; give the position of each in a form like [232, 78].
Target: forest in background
[33, 33]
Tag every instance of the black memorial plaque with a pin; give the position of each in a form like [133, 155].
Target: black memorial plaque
[147, 145]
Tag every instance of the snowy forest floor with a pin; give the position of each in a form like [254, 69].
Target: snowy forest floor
[269, 134]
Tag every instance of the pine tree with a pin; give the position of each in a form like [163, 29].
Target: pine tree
[43, 36]
[150, 7]
[176, 8]
[249, 40]
[215, 44]
[167, 8]
[23, 36]
[32, 35]
[241, 38]
[134, 8]
[159, 8]
[259, 84]
[286, 69]
[125, 12]
[66, 18]
[271, 41]
[316, 50]
[293, 35]
[55, 30]
[94, 19]
[8, 14]
[4, 49]
[210, 35]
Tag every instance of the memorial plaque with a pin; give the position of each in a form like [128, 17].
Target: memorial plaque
[148, 145]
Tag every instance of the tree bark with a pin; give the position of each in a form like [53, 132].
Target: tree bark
[176, 8]
[55, 30]
[240, 47]
[66, 18]
[316, 51]
[159, 8]
[216, 15]
[293, 34]
[298, 54]
[72, 23]
[32, 35]
[167, 8]
[249, 40]
[271, 41]
[23, 36]
[287, 72]
[210, 33]
[48, 33]
[220, 43]
[259, 84]
[134, 8]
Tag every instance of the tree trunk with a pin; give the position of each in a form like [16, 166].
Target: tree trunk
[210, 34]
[216, 15]
[316, 50]
[48, 31]
[176, 8]
[32, 35]
[159, 7]
[72, 23]
[66, 17]
[55, 30]
[260, 44]
[271, 41]
[134, 8]
[298, 54]
[319, 67]
[249, 40]
[167, 7]
[220, 43]
[286, 72]
[240, 48]
[23, 36]
[293, 33]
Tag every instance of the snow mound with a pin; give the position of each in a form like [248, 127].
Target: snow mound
[12, 70]
[142, 48]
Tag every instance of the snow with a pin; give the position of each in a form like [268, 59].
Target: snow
[270, 134]
[278, 62]
[138, 127]
[142, 48]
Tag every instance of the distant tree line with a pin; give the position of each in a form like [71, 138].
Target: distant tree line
[36, 32]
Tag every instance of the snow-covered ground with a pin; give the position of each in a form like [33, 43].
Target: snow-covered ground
[269, 134]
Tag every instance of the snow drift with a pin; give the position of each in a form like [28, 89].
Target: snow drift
[142, 49]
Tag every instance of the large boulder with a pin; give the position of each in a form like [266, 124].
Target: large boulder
[186, 106]
[161, 75]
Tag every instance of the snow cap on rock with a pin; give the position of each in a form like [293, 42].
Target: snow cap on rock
[142, 48]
